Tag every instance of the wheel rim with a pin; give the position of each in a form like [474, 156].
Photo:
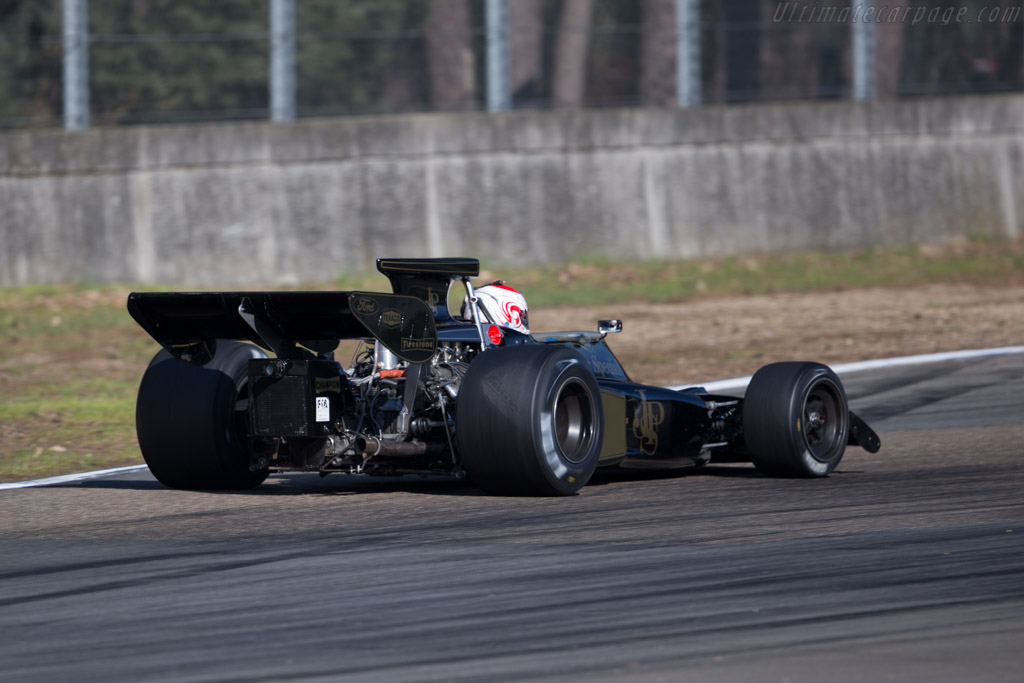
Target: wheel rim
[823, 421]
[574, 420]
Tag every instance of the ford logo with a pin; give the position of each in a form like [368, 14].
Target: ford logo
[366, 305]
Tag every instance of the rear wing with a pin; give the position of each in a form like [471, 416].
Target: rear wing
[291, 324]
[300, 324]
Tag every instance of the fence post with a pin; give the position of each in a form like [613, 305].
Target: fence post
[282, 60]
[863, 28]
[497, 56]
[688, 53]
[76, 64]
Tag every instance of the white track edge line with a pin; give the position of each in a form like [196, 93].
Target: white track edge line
[710, 387]
[68, 478]
[860, 366]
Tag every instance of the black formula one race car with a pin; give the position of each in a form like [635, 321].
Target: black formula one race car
[430, 391]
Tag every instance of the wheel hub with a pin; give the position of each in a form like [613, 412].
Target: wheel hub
[822, 422]
[573, 415]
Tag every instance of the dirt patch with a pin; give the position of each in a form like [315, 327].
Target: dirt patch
[711, 339]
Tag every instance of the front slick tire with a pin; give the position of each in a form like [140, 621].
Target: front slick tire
[193, 422]
[796, 420]
[530, 421]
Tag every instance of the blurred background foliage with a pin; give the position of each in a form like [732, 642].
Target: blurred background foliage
[194, 60]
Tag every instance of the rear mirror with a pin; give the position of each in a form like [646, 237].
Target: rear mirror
[609, 326]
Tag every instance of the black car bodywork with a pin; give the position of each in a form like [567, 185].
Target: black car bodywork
[430, 392]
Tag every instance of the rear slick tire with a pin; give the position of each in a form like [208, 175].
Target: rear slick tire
[796, 420]
[193, 422]
[530, 421]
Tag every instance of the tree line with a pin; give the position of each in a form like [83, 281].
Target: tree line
[167, 60]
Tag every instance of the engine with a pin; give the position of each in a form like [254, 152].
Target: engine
[379, 416]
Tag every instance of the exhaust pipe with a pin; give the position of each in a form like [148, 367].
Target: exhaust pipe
[372, 446]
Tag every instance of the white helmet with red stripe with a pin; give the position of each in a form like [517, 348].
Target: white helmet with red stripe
[505, 306]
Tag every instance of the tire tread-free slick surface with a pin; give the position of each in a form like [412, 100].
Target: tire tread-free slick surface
[191, 423]
[780, 434]
[530, 421]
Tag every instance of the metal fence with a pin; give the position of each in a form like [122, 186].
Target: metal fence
[104, 62]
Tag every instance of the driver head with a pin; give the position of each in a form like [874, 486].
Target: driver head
[505, 306]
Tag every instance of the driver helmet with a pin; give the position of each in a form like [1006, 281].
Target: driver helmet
[504, 305]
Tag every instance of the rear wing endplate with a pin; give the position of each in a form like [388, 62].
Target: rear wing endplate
[428, 279]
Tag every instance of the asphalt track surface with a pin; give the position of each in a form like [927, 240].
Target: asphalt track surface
[903, 565]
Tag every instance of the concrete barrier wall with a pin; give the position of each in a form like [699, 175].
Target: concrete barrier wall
[223, 205]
